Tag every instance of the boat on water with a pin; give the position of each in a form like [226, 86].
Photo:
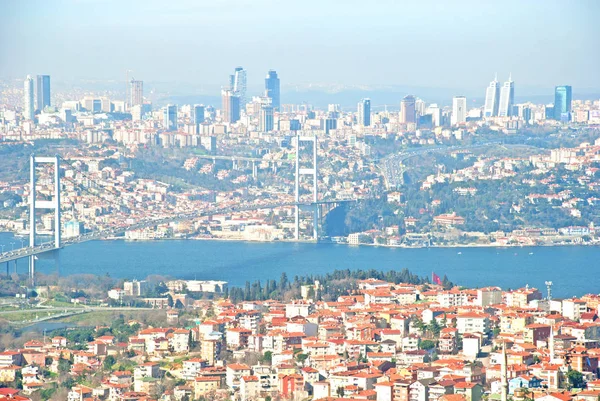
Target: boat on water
[459, 253]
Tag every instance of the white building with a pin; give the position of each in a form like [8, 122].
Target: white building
[459, 110]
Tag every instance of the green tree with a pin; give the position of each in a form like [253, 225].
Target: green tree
[170, 300]
[267, 357]
[109, 362]
[575, 379]
[427, 344]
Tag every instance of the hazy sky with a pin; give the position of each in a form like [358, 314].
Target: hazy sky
[432, 43]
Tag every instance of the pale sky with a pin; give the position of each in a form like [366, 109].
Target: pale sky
[429, 43]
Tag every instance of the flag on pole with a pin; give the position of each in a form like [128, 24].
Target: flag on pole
[436, 279]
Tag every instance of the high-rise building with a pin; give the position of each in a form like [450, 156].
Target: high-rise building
[231, 106]
[43, 92]
[272, 86]
[364, 112]
[436, 114]
[198, 114]
[265, 121]
[136, 92]
[459, 110]
[238, 84]
[170, 118]
[28, 111]
[420, 107]
[492, 99]
[562, 102]
[507, 98]
[407, 110]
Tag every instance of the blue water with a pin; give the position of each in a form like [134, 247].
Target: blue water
[574, 270]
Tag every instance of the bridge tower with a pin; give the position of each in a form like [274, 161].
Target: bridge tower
[313, 171]
[39, 204]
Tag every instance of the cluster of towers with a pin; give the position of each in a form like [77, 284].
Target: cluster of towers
[499, 101]
[35, 101]
[234, 98]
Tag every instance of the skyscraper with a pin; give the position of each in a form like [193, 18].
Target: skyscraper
[28, 111]
[170, 118]
[265, 121]
[507, 98]
[459, 110]
[492, 99]
[43, 92]
[238, 84]
[136, 91]
[562, 102]
[420, 107]
[364, 112]
[198, 114]
[407, 110]
[231, 106]
[273, 89]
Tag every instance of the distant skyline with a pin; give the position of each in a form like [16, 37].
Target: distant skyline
[454, 44]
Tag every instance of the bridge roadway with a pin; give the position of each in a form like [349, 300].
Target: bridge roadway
[96, 235]
[245, 159]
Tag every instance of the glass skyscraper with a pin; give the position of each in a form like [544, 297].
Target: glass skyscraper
[507, 98]
[492, 99]
[43, 92]
[170, 118]
[562, 102]
[272, 88]
[364, 112]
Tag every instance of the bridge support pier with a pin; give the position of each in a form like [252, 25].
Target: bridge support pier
[312, 171]
[254, 170]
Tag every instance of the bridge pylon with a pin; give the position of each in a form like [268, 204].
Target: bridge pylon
[36, 204]
[314, 172]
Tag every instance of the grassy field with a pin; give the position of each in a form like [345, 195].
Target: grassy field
[27, 316]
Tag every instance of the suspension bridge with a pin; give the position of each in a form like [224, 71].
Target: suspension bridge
[52, 247]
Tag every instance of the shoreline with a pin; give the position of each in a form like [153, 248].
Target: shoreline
[311, 241]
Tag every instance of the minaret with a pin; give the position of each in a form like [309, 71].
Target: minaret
[504, 374]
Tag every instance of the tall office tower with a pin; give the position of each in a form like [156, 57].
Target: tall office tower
[170, 118]
[28, 111]
[364, 112]
[265, 121]
[562, 102]
[136, 91]
[436, 114]
[231, 106]
[507, 98]
[492, 99]
[420, 107]
[459, 110]
[198, 114]
[43, 92]
[272, 86]
[238, 84]
[407, 110]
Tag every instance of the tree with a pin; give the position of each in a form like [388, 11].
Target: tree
[179, 304]
[170, 300]
[283, 282]
[575, 379]
[108, 363]
[427, 344]
[267, 357]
